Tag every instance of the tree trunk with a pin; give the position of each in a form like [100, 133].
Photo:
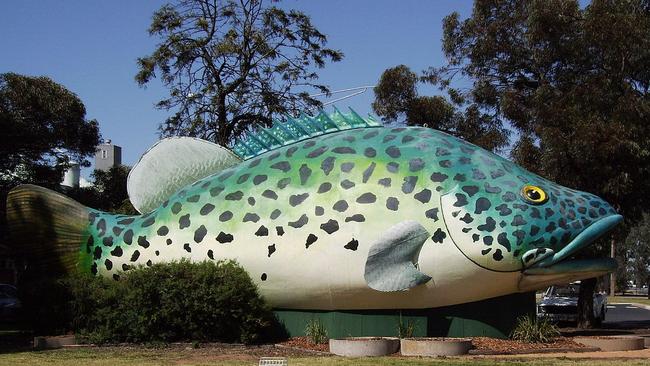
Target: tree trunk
[586, 303]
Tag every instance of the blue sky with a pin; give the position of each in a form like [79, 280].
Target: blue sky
[91, 48]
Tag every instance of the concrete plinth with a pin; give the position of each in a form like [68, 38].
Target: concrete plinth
[433, 347]
[364, 346]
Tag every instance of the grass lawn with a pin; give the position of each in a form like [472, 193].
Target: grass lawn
[109, 356]
[628, 299]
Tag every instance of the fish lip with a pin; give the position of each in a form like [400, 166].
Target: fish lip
[583, 239]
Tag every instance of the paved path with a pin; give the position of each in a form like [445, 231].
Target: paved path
[627, 316]
[640, 354]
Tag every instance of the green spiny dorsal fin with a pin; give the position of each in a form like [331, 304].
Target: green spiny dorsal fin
[297, 129]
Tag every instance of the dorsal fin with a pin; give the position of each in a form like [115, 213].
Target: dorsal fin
[171, 164]
[298, 129]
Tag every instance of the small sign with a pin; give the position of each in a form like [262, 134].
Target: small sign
[273, 361]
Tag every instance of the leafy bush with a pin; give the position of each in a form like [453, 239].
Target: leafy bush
[532, 330]
[405, 330]
[316, 331]
[178, 301]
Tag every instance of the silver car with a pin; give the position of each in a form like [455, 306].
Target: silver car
[560, 304]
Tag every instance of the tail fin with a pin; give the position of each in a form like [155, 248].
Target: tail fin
[46, 228]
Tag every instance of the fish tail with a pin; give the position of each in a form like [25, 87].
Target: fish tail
[46, 229]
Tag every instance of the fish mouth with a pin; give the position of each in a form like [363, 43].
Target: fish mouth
[583, 239]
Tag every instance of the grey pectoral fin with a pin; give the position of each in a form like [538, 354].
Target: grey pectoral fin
[391, 262]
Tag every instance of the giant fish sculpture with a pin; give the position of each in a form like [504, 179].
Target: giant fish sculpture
[332, 212]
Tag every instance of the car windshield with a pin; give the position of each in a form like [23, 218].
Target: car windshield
[566, 291]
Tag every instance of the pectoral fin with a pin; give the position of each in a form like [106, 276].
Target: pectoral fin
[391, 263]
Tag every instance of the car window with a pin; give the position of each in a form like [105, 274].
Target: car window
[567, 291]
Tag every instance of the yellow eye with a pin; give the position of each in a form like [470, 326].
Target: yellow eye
[534, 194]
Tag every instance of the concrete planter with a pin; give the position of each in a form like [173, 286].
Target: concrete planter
[54, 342]
[364, 346]
[435, 346]
[613, 343]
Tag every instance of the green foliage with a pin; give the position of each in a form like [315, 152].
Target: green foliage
[108, 193]
[637, 252]
[179, 301]
[529, 329]
[316, 331]
[231, 65]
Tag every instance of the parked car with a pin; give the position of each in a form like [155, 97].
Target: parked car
[560, 304]
[9, 303]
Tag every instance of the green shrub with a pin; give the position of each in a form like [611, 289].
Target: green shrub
[178, 301]
[316, 331]
[405, 330]
[532, 330]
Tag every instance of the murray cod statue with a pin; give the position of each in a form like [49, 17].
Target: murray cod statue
[332, 212]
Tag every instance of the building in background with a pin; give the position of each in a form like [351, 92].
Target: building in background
[107, 156]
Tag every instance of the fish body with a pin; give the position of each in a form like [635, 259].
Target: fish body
[365, 218]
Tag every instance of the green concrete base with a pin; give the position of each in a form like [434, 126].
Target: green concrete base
[494, 317]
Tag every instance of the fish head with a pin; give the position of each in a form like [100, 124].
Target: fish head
[505, 218]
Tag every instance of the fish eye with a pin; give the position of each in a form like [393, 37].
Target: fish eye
[534, 194]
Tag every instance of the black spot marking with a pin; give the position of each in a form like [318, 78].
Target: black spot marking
[101, 227]
[384, 182]
[482, 204]
[259, 179]
[186, 246]
[368, 172]
[148, 222]
[128, 236]
[308, 144]
[223, 176]
[370, 135]
[416, 164]
[184, 221]
[211, 254]
[206, 209]
[352, 245]
[441, 151]
[423, 196]
[200, 233]
[291, 151]
[224, 238]
[407, 138]
[393, 152]
[282, 183]
[438, 177]
[489, 226]
[284, 166]
[304, 172]
[275, 155]
[487, 240]
[509, 197]
[491, 189]
[344, 150]
[319, 211]
[108, 264]
[409, 184]
[327, 164]
[176, 207]
[135, 256]
[107, 241]
[271, 250]
[225, 216]
[213, 192]
[149, 263]
[262, 231]
[97, 253]
[330, 226]
[369, 152]
[497, 173]
[461, 200]
[302, 221]
[340, 206]
[475, 237]
[270, 194]
[317, 152]
[311, 239]
[367, 198]
[162, 231]
[460, 177]
[235, 196]
[467, 218]
[355, 218]
[445, 163]
[518, 220]
[117, 230]
[347, 184]
[126, 221]
[195, 198]
[497, 255]
[470, 190]
[392, 167]
[503, 209]
[503, 240]
[263, 277]
[477, 174]
[279, 230]
[251, 217]
[392, 203]
[296, 199]
[432, 214]
[143, 242]
[388, 138]
[347, 167]
[275, 214]
[464, 160]
[324, 187]
[439, 236]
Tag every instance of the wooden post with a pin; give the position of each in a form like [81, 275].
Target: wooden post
[612, 276]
